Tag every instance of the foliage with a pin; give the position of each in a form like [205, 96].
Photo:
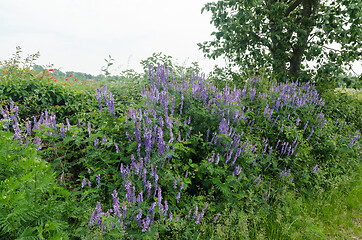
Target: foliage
[109, 62]
[32, 202]
[285, 36]
[35, 92]
[176, 157]
[345, 106]
[160, 59]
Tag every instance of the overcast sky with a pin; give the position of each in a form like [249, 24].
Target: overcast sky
[79, 34]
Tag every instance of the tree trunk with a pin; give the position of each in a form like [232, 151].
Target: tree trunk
[310, 8]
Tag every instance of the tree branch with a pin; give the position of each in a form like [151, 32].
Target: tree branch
[292, 7]
[337, 50]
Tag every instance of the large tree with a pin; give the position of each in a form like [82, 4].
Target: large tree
[283, 36]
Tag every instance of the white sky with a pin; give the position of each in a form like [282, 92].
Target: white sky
[78, 35]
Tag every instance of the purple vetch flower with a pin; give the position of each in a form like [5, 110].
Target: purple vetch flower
[212, 158]
[172, 105]
[152, 208]
[179, 137]
[161, 142]
[216, 217]
[112, 226]
[28, 128]
[68, 124]
[37, 143]
[117, 149]
[237, 170]
[175, 183]
[156, 188]
[89, 184]
[223, 126]
[98, 97]
[146, 224]
[140, 197]
[124, 208]
[252, 94]
[159, 198]
[213, 137]
[178, 197]
[305, 126]
[96, 141]
[315, 169]
[182, 102]
[187, 173]
[148, 186]
[258, 179]
[84, 182]
[196, 211]
[128, 191]
[53, 122]
[103, 93]
[133, 196]
[189, 214]
[201, 215]
[62, 131]
[139, 217]
[311, 133]
[98, 178]
[336, 123]
[277, 144]
[144, 173]
[181, 186]
[324, 121]
[266, 195]
[166, 209]
[89, 129]
[104, 140]
[17, 133]
[96, 215]
[111, 104]
[217, 158]
[244, 92]
[129, 137]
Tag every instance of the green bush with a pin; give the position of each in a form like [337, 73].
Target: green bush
[212, 151]
[32, 203]
[345, 107]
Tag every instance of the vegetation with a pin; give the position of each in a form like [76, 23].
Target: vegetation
[285, 37]
[172, 156]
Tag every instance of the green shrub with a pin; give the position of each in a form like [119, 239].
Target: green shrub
[345, 107]
[32, 203]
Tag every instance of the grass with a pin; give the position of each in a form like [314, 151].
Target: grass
[331, 214]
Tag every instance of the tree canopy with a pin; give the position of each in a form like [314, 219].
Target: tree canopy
[285, 36]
